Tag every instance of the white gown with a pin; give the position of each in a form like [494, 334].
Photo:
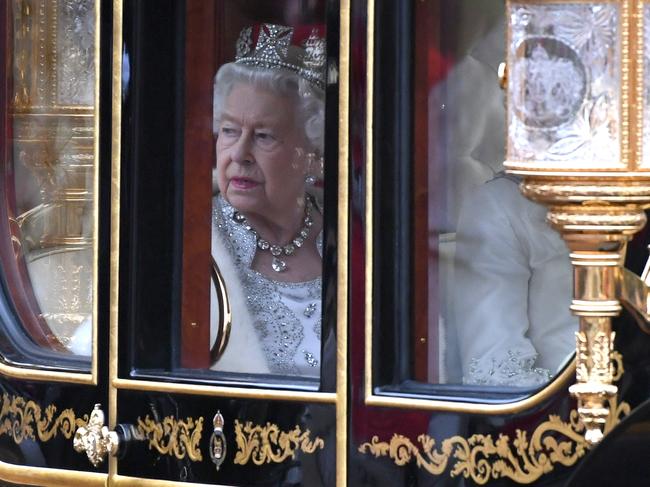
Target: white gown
[514, 286]
[276, 325]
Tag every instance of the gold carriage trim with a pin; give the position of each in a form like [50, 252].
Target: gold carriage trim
[482, 458]
[23, 419]
[268, 444]
[173, 437]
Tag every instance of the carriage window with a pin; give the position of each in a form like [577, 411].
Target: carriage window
[49, 162]
[268, 120]
[250, 146]
[490, 281]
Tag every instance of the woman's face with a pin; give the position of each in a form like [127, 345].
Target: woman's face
[260, 153]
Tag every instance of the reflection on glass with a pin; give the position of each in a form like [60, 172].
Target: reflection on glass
[50, 173]
[495, 294]
[513, 289]
[267, 208]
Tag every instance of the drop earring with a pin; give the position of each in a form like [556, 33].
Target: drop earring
[310, 179]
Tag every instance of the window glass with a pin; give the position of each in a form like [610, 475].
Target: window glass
[491, 281]
[246, 131]
[267, 205]
[269, 110]
[49, 165]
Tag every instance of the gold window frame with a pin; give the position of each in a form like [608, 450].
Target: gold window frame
[29, 372]
[338, 398]
[60, 477]
[559, 382]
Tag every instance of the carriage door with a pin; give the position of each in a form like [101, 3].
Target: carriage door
[461, 339]
[217, 378]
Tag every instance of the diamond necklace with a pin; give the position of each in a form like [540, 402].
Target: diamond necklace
[278, 264]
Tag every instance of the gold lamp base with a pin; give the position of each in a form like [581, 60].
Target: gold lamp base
[597, 218]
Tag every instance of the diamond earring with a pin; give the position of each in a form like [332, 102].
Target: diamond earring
[311, 179]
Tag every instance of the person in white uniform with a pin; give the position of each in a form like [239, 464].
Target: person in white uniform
[513, 289]
[267, 221]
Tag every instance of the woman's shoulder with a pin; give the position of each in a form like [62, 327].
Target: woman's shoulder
[503, 193]
[502, 186]
[222, 213]
[219, 205]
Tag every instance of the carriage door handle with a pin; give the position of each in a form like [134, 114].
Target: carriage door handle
[97, 441]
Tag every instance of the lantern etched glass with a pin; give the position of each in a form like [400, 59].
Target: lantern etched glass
[564, 85]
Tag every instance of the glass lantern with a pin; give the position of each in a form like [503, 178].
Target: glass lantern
[577, 119]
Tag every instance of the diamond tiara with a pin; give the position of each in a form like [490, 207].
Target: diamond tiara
[275, 51]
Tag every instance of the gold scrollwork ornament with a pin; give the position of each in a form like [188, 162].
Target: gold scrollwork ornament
[481, 457]
[268, 444]
[21, 419]
[598, 365]
[173, 437]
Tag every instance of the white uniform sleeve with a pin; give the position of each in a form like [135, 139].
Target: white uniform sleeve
[491, 295]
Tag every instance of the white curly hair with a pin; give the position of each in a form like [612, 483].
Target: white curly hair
[310, 100]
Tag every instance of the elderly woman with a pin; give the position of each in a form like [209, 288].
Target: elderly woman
[267, 221]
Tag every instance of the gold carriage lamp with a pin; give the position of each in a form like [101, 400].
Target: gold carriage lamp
[578, 133]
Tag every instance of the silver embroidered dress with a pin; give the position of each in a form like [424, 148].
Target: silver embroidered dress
[286, 316]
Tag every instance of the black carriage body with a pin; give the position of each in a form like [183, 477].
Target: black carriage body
[379, 414]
